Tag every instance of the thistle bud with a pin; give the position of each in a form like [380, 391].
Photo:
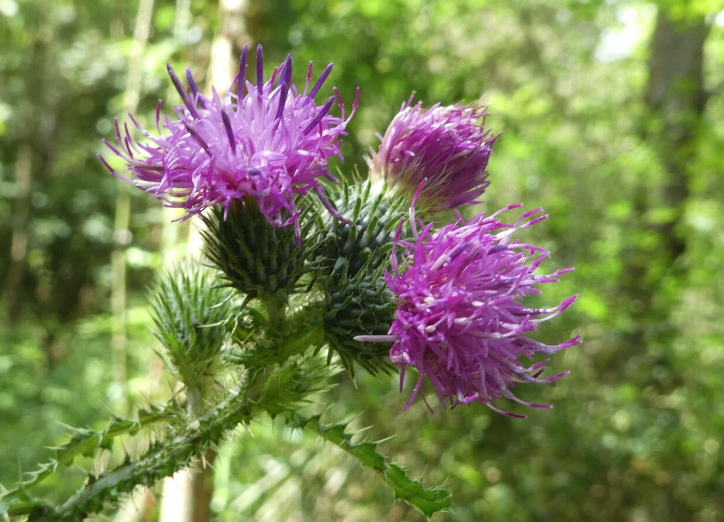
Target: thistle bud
[191, 311]
[358, 305]
[374, 213]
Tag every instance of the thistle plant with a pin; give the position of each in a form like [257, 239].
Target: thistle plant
[305, 276]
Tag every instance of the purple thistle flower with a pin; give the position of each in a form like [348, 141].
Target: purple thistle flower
[460, 320]
[448, 146]
[268, 142]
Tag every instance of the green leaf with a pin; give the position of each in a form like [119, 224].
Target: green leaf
[411, 491]
[85, 442]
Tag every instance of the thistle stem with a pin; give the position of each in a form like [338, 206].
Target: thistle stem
[200, 474]
[275, 306]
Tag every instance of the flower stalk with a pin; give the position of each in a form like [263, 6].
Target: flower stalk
[275, 307]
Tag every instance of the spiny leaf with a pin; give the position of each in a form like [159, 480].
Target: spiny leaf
[23, 504]
[263, 390]
[289, 386]
[86, 442]
[412, 491]
[301, 331]
[160, 460]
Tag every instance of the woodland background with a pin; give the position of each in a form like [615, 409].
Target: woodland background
[611, 116]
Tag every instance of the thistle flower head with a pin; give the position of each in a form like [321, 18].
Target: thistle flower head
[266, 141]
[460, 320]
[447, 145]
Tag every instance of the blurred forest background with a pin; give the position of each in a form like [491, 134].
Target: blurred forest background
[611, 116]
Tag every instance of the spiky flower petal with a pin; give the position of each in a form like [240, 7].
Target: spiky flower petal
[266, 141]
[460, 320]
[447, 145]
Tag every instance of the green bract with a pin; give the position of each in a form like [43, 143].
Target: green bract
[358, 305]
[374, 213]
[256, 258]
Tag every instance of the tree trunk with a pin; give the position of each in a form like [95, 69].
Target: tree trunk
[21, 226]
[676, 98]
[137, 507]
[140, 504]
[35, 153]
[202, 488]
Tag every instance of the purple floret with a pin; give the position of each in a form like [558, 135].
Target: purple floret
[460, 320]
[266, 141]
[447, 145]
